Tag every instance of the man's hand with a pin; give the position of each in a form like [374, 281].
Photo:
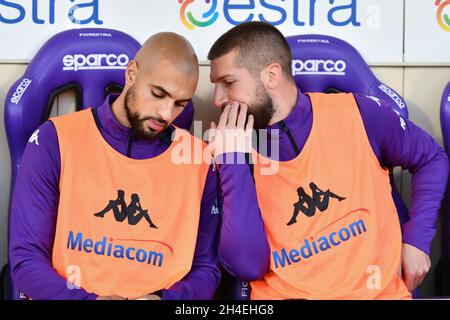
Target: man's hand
[149, 297]
[113, 297]
[231, 133]
[415, 266]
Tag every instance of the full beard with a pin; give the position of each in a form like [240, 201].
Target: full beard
[138, 123]
[262, 109]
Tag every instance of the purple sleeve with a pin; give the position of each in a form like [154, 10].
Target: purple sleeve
[399, 142]
[203, 279]
[243, 247]
[33, 212]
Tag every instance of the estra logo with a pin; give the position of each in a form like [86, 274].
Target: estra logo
[95, 61]
[443, 14]
[299, 13]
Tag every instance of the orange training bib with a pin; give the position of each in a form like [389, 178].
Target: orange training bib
[125, 227]
[331, 222]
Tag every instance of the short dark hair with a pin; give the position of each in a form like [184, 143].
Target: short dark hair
[259, 45]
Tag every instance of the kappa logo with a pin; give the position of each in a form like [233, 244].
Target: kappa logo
[132, 212]
[215, 209]
[308, 204]
[34, 137]
[403, 124]
[318, 67]
[94, 61]
[377, 100]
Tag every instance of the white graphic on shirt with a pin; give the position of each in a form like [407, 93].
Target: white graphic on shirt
[377, 100]
[215, 209]
[34, 137]
[403, 123]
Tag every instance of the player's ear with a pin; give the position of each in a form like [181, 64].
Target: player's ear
[131, 73]
[271, 75]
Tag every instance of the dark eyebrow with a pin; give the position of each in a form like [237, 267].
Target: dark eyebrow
[168, 94]
[163, 90]
[222, 77]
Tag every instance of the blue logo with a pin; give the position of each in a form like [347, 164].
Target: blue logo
[312, 247]
[113, 250]
[17, 13]
[298, 12]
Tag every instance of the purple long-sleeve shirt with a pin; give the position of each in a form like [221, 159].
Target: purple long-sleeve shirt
[244, 249]
[34, 212]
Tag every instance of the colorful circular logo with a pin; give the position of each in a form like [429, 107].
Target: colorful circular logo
[443, 18]
[188, 19]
